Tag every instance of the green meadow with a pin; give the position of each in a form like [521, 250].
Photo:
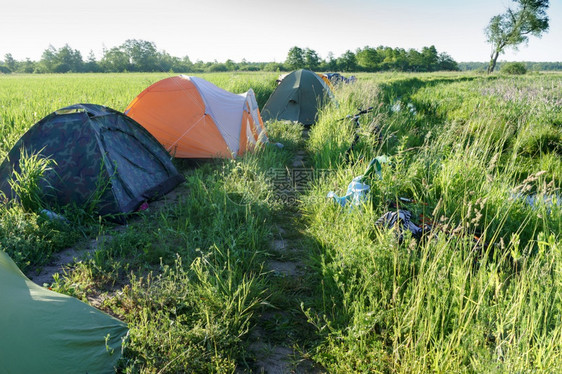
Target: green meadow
[476, 157]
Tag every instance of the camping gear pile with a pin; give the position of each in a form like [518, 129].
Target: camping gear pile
[337, 78]
[357, 195]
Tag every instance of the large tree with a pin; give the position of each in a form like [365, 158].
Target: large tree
[347, 61]
[295, 58]
[513, 27]
[311, 59]
[143, 55]
[115, 60]
[10, 62]
[68, 59]
[368, 59]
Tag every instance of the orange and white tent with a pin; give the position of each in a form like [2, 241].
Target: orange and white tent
[326, 80]
[193, 118]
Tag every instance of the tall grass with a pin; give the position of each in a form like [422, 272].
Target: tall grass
[28, 183]
[447, 303]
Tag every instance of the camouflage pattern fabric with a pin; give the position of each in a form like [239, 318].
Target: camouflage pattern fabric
[102, 157]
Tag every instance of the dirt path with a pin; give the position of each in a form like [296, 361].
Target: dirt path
[279, 338]
[61, 261]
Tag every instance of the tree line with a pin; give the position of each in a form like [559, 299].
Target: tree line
[529, 65]
[143, 56]
[371, 59]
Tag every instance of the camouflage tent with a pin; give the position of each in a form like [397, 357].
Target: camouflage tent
[101, 157]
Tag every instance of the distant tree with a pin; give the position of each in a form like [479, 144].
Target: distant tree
[295, 58]
[115, 60]
[446, 62]
[250, 66]
[513, 27]
[347, 61]
[27, 66]
[140, 55]
[430, 58]
[166, 62]
[368, 59]
[217, 67]
[143, 55]
[68, 59]
[230, 65]
[388, 58]
[331, 62]
[311, 59]
[401, 61]
[185, 60]
[59, 61]
[274, 66]
[199, 66]
[415, 61]
[91, 65]
[184, 64]
[48, 60]
[10, 62]
[3, 68]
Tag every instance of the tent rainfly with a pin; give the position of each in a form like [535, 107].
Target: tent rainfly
[47, 332]
[298, 97]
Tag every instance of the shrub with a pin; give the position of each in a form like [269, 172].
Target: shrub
[217, 68]
[514, 68]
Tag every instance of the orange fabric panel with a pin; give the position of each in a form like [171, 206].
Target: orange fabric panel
[261, 123]
[246, 118]
[203, 140]
[173, 111]
[326, 80]
[251, 123]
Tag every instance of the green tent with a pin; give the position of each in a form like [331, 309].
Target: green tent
[298, 97]
[44, 332]
[102, 158]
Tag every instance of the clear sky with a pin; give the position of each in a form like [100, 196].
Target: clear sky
[264, 30]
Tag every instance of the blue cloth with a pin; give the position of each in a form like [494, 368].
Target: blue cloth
[357, 193]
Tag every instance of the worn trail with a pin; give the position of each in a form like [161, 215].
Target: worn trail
[279, 340]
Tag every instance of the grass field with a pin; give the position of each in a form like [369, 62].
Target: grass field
[478, 157]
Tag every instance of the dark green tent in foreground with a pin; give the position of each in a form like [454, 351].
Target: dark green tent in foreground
[102, 157]
[44, 332]
[298, 97]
